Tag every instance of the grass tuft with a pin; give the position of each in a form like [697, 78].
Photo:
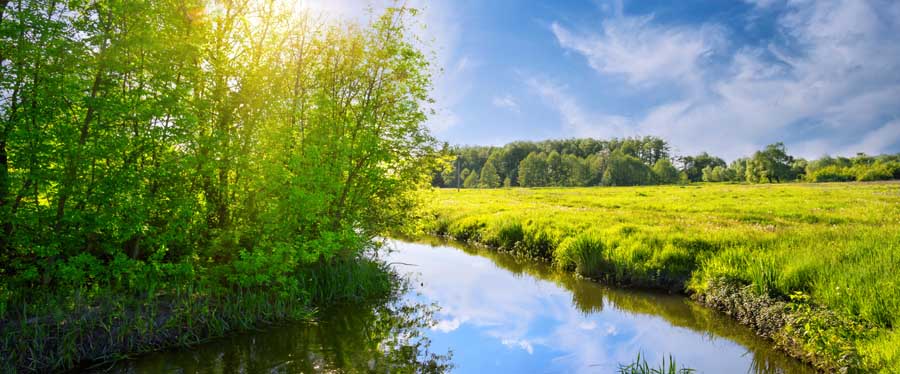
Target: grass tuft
[641, 366]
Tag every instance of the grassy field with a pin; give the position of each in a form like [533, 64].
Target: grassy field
[830, 251]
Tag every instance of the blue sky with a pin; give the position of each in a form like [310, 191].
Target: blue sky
[726, 77]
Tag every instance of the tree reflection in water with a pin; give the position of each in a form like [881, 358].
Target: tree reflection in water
[386, 336]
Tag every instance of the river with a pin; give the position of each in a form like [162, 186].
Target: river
[473, 310]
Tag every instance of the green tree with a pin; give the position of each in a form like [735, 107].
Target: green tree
[717, 174]
[798, 168]
[576, 170]
[533, 170]
[449, 175]
[471, 180]
[653, 149]
[693, 165]
[489, 177]
[556, 174]
[155, 131]
[626, 170]
[665, 172]
[511, 156]
[464, 175]
[738, 169]
[708, 175]
[596, 165]
[772, 164]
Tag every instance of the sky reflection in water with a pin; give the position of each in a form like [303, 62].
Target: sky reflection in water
[504, 316]
[496, 315]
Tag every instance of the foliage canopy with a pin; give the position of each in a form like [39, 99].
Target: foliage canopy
[232, 142]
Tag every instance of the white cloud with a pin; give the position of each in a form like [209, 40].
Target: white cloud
[446, 326]
[464, 64]
[453, 83]
[829, 81]
[506, 102]
[879, 140]
[524, 344]
[451, 86]
[643, 52]
[576, 120]
[762, 3]
[543, 317]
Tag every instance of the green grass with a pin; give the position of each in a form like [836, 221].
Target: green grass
[63, 329]
[837, 245]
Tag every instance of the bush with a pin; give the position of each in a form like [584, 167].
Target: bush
[467, 229]
[538, 243]
[877, 172]
[509, 235]
[832, 174]
[583, 253]
[674, 263]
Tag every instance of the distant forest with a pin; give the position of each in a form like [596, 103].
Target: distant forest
[642, 161]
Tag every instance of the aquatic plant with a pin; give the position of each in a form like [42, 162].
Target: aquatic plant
[641, 366]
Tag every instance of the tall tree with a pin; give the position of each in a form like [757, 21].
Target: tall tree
[626, 170]
[471, 180]
[556, 175]
[533, 170]
[693, 165]
[221, 127]
[772, 164]
[489, 177]
[665, 172]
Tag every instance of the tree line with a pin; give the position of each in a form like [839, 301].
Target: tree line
[641, 161]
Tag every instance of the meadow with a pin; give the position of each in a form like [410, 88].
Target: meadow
[824, 257]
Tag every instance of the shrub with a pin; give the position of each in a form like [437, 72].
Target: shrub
[466, 229]
[583, 253]
[674, 263]
[538, 242]
[832, 174]
[877, 172]
[509, 234]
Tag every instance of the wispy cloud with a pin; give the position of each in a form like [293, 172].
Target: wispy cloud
[879, 139]
[762, 3]
[452, 69]
[524, 344]
[450, 88]
[643, 52]
[506, 102]
[578, 121]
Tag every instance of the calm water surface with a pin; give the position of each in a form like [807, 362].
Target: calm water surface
[472, 310]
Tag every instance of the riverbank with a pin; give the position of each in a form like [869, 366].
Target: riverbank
[821, 254]
[473, 309]
[56, 331]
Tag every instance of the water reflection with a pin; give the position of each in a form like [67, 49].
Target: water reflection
[504, 315]
[384, 337]
[496, 314]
